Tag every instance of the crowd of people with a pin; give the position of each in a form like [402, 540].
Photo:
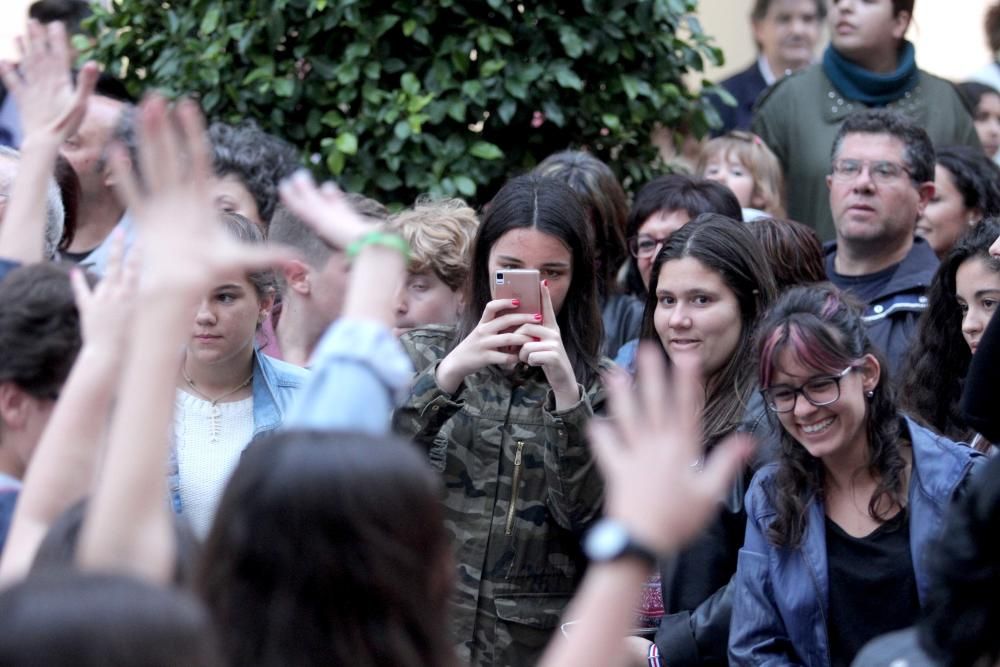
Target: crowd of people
[742, 417]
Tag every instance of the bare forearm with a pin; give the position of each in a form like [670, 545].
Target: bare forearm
[376, 275]
[128, 522]
[602, 609]
[22, 235]
[65, 462]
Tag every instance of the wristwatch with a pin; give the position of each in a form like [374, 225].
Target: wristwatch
[610, 540]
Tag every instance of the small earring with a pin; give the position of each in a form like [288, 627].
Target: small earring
[870, 393]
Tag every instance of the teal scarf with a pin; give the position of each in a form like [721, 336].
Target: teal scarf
[869, 88]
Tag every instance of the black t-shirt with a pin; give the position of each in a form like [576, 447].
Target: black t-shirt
[867, 287]
[873, 589]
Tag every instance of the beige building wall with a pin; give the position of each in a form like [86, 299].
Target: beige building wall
[12, 18]
[948, 35]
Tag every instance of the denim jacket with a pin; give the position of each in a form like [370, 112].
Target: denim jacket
[781, 595]
[275, 384]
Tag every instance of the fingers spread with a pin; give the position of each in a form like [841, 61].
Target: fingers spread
[191, 124]
[11, 77]
[622, 406]
[724, 464]
[654, 391]
[125, 182]
[606, 449]
[81, 290]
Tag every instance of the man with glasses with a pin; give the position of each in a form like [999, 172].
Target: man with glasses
[881, 178]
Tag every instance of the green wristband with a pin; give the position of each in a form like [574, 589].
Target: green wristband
[387, 239]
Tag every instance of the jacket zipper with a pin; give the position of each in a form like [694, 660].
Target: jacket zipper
[514, 484]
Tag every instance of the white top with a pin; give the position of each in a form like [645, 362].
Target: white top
[208, 440]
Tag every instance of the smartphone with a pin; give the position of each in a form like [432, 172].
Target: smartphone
[521, 284]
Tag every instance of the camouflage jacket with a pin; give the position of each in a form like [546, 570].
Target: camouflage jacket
[520, 487]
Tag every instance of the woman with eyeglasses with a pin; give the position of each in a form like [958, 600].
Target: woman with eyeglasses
[660, 208]
[838, 528]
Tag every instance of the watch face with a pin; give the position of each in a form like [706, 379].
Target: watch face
[606, 541]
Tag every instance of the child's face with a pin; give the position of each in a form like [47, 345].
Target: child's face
[729, 171]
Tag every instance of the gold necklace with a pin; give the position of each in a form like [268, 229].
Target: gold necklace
[214, 401]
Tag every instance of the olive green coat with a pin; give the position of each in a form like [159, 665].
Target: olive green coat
[520, 485]
[799, 116]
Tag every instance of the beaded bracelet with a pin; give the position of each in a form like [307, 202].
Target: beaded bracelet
[387, 239]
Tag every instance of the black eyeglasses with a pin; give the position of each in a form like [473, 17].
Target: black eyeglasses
[643, 246]
[819, 391]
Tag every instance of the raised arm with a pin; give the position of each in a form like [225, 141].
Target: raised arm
[652, 490]
[64, 464]
[51, 109]
[358, 367]
[128, 526]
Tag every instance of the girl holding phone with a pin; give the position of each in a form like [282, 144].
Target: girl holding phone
[501, 403]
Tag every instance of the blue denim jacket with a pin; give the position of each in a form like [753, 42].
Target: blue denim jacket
[781, 597]
[275, 384]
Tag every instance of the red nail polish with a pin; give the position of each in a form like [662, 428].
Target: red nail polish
[515, 302]
[536, 339]
[545, 282]
[538, 317]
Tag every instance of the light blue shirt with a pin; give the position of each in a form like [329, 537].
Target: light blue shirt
[96, 262]
[359, 373]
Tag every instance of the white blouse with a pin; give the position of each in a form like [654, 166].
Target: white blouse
[208, 440]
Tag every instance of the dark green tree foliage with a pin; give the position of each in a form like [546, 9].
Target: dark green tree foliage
[448, 97]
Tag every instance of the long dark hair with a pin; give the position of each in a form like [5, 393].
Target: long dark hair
[675, 192]
[550, 206]
[728, 248]
[824, 329]
[330, 549]
[939, 358]
[77, 619]
[606, 205]
[975, 175]
[792, 249]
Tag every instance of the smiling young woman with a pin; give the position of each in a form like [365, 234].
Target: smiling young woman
[857, 493]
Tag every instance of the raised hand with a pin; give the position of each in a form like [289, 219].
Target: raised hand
[186, 248]
[649, 452]
[323, 208]
[489, 343]
[106, 309]
[547, 351]
[48, 102]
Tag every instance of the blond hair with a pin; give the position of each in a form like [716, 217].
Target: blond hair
[763, 165]
[440, 234]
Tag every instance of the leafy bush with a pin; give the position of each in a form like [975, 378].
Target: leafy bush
[404, 97]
